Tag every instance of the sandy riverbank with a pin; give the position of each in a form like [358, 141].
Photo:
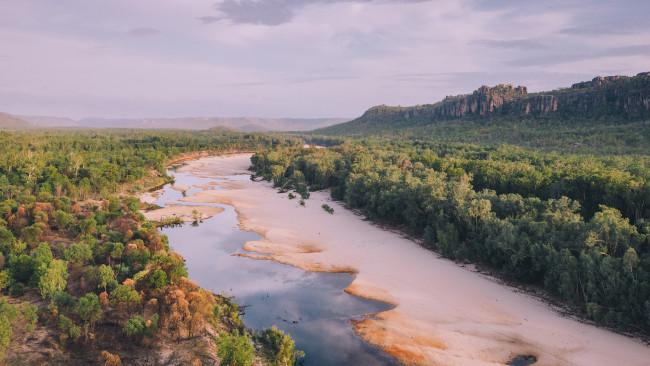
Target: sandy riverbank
[185, 213]
[444, 314]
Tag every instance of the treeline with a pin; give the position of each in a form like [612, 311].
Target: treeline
[572, 135]
[78, 260]
[86, 163]
[576, 225]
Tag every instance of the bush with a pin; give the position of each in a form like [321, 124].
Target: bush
[5, 334]
[134, 327]
[327, 208]
[235, 350]
[5, 279]
[277, 347]
[17, 289]
[79, 253]
[124, 295]
[158, 279]
[69, 328]
[89, 309]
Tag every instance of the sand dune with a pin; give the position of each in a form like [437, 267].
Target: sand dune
[445, 314]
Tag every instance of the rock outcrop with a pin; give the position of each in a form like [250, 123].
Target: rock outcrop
[620, 98]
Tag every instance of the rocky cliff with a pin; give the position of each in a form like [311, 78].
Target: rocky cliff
[621, 98]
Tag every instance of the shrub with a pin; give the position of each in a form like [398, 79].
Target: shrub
[89, 309]
[69, 329]
[277, 347]
[5, 279]
[158, 279]
[134, 327]
[235, 350]
[124, 295]
[327, 208]
[78, 253]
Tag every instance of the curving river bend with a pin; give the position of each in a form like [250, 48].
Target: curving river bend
[312, 307]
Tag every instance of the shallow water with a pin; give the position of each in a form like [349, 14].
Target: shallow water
[312, 307]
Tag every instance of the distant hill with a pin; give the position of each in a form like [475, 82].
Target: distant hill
[609, 99]
[47, 121]
[7, 121]
[246, 124]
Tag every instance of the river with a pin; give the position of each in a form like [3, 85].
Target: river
[311, 307]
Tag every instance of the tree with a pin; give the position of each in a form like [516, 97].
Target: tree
[21, 267]
[235, 350]
[277, 347]
[78, 253]
[106, 276]
[89, 311]
[630, 260]
[124, 296]
[54, 279]
[63, 220]
[610, 231]
[41, 259]
[116, 251]
[134, 327]
[158, 279]
[31, 234]
[69, 328]
[6, 238]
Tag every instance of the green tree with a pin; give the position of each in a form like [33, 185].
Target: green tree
[610, 231]
[54, 279]
[63, 220]
[106, 276]
[124, 296]
[277, 347]
[41, 259]
[69, 328]
[89, 311]
[134, 327]
[235, 350]
[158, 279]
[78, 253]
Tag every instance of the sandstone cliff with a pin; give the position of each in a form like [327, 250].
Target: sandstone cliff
[620, 98]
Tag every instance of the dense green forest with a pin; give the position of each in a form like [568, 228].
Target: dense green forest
[573, 135]
[80, 266]
[576, 225]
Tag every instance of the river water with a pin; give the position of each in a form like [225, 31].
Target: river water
[311, 307]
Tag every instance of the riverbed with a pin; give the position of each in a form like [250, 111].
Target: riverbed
[312, 307]
[443, 314]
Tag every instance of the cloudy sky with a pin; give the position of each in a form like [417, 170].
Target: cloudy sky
[300, 58]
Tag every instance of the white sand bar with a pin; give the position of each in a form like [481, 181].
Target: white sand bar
[444, 315]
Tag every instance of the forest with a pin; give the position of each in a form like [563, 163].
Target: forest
[78, 261]
[84, 278]
[576, 226]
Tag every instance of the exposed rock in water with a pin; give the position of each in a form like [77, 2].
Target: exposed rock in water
[522, 360]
